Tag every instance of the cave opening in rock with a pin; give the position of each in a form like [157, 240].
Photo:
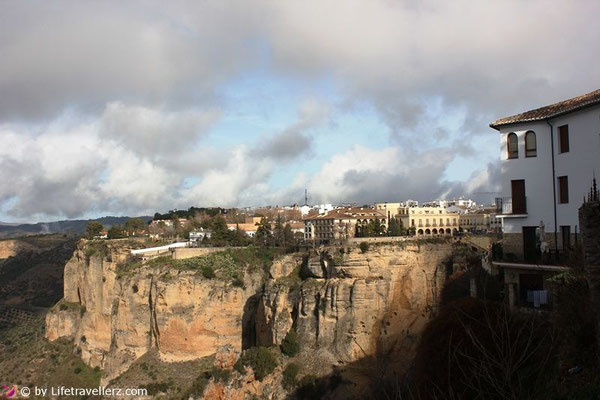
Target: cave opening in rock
[249, 321]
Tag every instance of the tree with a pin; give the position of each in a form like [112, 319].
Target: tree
[134, 225]
[278, 234]
[116, 232]
[263, 235]
[290, 346]
[395, 228]
[93, 228]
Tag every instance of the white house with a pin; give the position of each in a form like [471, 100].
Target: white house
[199, 235]
[548, 157]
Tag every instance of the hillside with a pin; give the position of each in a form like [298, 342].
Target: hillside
[67, 226]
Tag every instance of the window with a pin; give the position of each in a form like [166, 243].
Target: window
[563, 189]
[512, 145]
[530, 144]
[563, 138]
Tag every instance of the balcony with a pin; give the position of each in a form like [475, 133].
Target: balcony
[509, 206]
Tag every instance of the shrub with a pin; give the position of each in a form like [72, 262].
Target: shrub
[155, 388]
[63, 307]
[261, 359]
[310, 387]
[77, 370]
[290, 376]
[219, 375]
[208, 272]
[364, 247]
[290, 346]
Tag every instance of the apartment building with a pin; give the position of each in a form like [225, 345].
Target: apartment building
[548, 157]
[428, 221]
[339, 223]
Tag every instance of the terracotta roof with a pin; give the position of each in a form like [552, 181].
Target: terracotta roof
[553, 110]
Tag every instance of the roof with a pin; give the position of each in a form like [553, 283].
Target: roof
[551, 111]
[348, 213]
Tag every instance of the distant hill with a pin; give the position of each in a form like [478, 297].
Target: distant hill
[76, 226]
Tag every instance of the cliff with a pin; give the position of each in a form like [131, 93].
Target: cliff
[351, 305]
[345, 304]
[117, 309]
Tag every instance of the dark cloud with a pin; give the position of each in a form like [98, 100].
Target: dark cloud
[108, 106]
[287, 145]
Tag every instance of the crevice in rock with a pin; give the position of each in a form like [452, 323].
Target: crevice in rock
[155, 333]
[249, 321]
[317, 316]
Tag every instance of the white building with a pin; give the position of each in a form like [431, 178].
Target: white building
[199, 234]
[427, 221]
[304, 209]
[548, 157]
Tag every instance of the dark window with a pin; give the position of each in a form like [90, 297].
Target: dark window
[530, 144]
[512, 145]
[563, 136]
[563, 189]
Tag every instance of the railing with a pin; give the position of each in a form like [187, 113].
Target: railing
[504, 206]
[550, 257]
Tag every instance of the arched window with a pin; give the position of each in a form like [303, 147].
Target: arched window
[530, 144]
[512, 145]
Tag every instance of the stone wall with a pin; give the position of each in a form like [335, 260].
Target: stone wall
[589, 220]
[513, 243]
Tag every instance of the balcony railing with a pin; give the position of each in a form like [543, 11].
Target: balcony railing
[507, 206]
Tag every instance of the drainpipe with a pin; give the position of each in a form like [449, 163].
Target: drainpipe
[553, 186]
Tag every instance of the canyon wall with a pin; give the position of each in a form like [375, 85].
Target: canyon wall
[351, 305]
[114, 318]
[344, 304]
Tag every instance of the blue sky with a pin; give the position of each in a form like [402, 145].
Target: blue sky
[129, 109]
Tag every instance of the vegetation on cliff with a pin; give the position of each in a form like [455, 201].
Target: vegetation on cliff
[28, 359]
[228, 265]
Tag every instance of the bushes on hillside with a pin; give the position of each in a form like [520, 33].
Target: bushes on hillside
[479, 349]
[290, 346]
[290, 374]
[261, 359]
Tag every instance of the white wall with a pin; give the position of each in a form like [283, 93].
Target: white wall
[578, 164]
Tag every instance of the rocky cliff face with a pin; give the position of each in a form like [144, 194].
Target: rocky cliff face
[344, 304]
[115, 318]
[352, 304]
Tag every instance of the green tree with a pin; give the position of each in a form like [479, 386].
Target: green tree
[278, 234]
[134, 225]
[290, 346]
[93, 229]
[261, 359]
[116, 232]
[395, 228]
[263, 236]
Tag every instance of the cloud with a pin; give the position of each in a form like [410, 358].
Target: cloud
[365, 175]
[112, 107]
[85, 54]
[155, 132]
[492, 58]
[294, 141]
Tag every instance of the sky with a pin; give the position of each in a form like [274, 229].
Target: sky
[129, 108]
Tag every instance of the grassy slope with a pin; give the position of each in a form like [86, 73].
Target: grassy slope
[27, 358]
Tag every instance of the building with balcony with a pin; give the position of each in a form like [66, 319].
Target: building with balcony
[548, 157]
[431, 221]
